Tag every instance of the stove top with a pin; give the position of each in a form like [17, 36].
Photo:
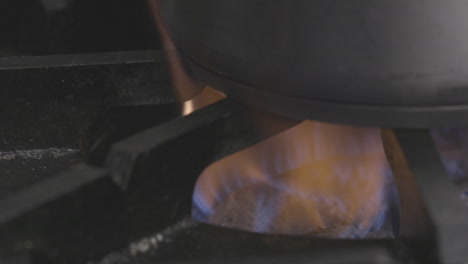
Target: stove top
[98, 162]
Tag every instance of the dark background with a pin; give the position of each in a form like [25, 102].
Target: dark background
[44, 27]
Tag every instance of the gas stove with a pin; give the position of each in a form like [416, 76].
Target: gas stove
[99, 161]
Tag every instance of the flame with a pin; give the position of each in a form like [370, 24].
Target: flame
[314, 178]
[207, 97]
[185, 87]
[193, 94]
[452, 145]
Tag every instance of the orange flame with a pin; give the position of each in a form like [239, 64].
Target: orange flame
[314, 178]
[185, 87]
[207, 97]
[193, 94]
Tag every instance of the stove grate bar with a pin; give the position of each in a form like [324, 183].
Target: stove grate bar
[446, 210]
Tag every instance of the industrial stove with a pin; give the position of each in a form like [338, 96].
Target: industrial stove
[101, 163]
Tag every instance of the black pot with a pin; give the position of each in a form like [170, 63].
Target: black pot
[394, 63]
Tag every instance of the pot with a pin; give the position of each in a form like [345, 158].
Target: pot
[371, 62]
